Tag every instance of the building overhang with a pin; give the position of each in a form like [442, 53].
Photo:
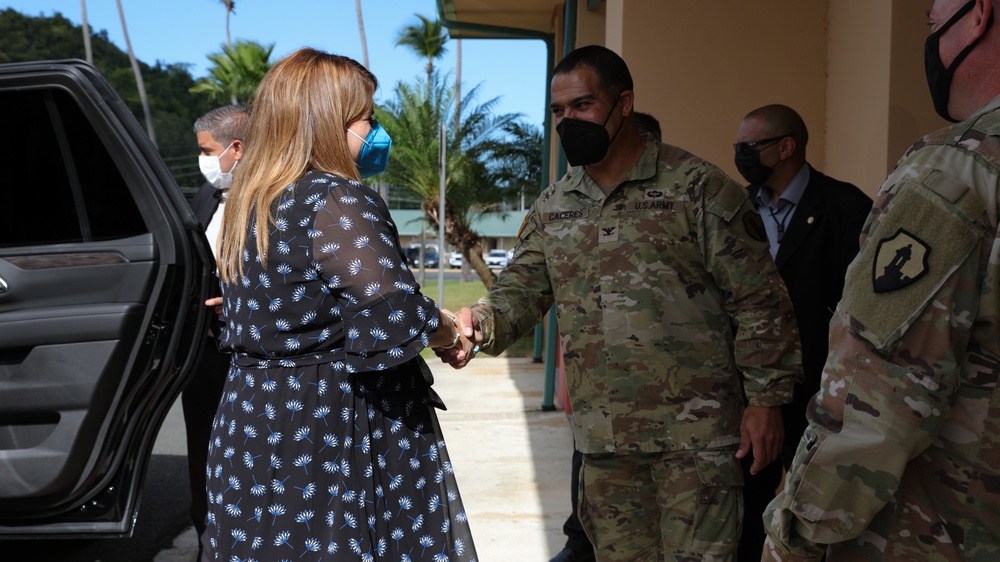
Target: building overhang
[500, 19]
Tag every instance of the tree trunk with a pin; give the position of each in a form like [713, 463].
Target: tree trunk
[361, 30]
[474, 255]
[468, 242]
[229, 39]
[138, 77]
[87, 50]
[458, 85]
[229, 42]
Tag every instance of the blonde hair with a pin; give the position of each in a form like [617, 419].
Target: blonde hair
[298, 122]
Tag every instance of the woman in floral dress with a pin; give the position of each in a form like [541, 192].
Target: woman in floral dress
[326, 445]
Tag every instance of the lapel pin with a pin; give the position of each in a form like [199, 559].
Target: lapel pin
[810, 220]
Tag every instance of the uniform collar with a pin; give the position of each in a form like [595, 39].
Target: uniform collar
[644, 169]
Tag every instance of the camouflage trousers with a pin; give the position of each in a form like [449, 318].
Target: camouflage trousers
[677, 506]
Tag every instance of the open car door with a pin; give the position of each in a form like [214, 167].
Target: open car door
[102, 271]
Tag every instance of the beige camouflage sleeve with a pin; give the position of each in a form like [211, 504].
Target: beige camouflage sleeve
[521, 295]
[897, 345]
[736, 253]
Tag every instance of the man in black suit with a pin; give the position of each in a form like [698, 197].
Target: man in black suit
[813, 223]
[220, 135]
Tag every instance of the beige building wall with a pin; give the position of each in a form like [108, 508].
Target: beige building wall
[878, 102]
[699, 67]
[911, 112]
[852, 68]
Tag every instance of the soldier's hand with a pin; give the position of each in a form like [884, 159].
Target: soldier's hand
[471, 323]
[465, 349]
[761, 432]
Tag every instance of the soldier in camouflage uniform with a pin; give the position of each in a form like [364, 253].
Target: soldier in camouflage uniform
[665, 291]
[901, 459]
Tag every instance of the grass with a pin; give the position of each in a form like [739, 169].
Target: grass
[458, 295]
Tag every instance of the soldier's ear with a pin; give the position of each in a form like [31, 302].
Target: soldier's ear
[627, 99]
[983, 12]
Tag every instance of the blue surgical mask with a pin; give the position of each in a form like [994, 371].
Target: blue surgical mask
[374, 156]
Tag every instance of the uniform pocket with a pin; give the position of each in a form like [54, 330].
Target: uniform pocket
[718, 515]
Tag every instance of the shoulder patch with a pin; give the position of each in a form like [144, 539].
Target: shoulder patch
[915, 244]
[725, 197]
[754, 226]
[900, 260]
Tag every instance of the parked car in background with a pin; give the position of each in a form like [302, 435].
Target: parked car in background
[431, 259]
[102, 277]
[412, 256]
[497, 259]
[455, 259]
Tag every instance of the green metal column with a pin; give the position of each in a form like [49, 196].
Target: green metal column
[569, 43]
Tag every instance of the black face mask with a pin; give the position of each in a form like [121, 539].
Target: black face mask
[749, 166]
[939, 77]
[585, 142]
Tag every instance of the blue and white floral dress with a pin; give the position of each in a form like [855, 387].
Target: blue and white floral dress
[326, 445]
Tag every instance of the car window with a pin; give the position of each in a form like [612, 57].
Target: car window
[60, 184]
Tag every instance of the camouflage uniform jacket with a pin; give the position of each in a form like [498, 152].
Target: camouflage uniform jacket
[648, 282]
[901, 459]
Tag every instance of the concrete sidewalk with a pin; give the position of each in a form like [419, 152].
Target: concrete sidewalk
[511, 459]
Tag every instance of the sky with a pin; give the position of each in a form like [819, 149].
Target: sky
[186, 31]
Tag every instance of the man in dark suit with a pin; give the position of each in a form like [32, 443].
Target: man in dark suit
[220, 135]
[813, 223]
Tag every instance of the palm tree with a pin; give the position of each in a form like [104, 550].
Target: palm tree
[235, 72]
[361, 30]
[518, 165]
[230, 9]
[138, 77]
[87, 50]
[427, 40]
[472, 185]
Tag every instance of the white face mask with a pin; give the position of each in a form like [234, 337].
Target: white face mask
[212, 170]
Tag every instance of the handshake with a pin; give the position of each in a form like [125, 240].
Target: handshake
[465, 340]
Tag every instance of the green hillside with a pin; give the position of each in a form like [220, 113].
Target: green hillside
[174, 109]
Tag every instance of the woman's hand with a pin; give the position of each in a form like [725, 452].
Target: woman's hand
[217, 303]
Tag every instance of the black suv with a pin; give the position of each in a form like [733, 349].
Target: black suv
[102, 271]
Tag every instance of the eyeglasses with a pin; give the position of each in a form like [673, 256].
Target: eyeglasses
[747, 146]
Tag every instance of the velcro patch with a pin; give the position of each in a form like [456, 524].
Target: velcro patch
[913, 246]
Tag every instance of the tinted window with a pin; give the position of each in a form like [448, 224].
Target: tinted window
[58, 182]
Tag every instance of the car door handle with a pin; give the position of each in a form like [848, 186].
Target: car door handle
[3, 286]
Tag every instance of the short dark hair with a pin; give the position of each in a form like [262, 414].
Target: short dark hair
[226, 123]
[610, 68]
